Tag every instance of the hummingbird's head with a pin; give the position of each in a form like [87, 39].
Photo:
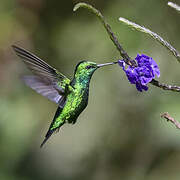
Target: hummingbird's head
[85, 68]
[88, 68]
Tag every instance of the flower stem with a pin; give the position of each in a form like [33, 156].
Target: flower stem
[165, 86]
[173, 5]
[153, 35]
[112, 36]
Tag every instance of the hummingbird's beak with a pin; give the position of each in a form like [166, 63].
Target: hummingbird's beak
[106, 64]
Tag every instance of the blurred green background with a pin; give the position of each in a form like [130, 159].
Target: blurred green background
[120, 135]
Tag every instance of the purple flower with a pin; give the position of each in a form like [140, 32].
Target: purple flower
[143, 73]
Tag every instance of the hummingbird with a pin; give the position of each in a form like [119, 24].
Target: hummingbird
[71, 96]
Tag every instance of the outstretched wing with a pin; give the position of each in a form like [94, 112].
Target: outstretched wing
[47, 90]
[48, 81]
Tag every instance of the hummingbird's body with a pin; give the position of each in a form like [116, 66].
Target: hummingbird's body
[76, 102]
[71, 96]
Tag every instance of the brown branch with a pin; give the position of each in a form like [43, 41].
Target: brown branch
[171, 119]
[165, 86]
[112, 36]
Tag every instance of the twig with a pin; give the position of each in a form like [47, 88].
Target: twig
[172, 120]
[112, 36]
[173, 5]
[165, 86]
[153, 35]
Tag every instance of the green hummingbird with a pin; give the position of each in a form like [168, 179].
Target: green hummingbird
[70, 95]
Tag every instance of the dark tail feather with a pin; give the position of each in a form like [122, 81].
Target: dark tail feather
[46, 138]
[51, 131]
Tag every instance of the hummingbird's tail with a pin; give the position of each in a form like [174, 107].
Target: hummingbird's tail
[46, 138]
[51, 131]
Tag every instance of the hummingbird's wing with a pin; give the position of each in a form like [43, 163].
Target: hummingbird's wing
[48, 81]
[42, 88]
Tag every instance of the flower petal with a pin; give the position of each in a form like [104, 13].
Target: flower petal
[122, 64]
[143, 73]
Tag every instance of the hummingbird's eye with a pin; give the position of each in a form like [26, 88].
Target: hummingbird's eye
[88, 67]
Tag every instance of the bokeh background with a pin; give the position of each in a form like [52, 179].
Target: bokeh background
[120, 135]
